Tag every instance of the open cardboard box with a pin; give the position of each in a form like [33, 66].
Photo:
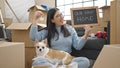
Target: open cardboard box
[12, 55]
[109, 57]
[35, 8]
[20, 33]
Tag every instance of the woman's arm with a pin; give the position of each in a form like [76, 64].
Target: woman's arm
[87, 31]
[79, 42]
[34, 33]
[36, 16]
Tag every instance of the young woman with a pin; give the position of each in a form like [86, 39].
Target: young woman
[60, 36]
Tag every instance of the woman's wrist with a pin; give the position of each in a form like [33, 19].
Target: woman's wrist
[87, 31]
[85, 36]
[34, 23]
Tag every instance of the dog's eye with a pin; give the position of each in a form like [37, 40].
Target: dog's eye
[37, 46]
[43, 47]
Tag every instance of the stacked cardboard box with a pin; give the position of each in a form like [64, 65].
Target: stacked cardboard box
[20, 33]
[29, 55]
[12, 55]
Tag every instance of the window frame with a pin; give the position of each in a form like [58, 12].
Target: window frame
[82, 3]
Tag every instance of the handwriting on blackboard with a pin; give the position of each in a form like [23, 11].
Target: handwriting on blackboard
[84, 16]
[87, 16]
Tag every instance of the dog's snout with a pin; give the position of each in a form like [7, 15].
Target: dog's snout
[40, 49]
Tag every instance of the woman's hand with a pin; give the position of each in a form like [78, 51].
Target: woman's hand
[37, 15]
[87, 31]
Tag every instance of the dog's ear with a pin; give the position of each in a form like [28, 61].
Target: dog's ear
[35, 42]
[45, 41]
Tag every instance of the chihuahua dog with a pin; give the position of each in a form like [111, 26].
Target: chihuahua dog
[55, 57]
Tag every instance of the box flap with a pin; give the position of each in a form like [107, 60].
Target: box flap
[4, 44]
[37, 7]
[19, 26]
[7, 21]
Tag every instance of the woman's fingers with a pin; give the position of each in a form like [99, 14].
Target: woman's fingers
[87, 28]
[38, 14]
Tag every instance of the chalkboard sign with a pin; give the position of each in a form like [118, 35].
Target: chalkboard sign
[84, 16]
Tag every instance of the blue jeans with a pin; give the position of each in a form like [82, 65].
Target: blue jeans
[83, 62]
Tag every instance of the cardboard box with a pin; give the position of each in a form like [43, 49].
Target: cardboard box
[106, 13]
[29, 55]
[109, 57]
[20, 33]
[96, 29]
[40, 67]
[35, 8]
[12, 55]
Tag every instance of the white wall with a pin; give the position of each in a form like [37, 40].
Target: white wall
[20, 8]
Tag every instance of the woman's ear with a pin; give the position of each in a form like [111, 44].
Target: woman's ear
[45, 41]
[35, 42]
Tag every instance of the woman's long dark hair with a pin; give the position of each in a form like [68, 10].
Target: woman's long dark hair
[51, 27]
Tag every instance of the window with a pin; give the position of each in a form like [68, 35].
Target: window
[65, 5]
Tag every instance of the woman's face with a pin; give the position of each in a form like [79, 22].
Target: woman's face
[58, 18]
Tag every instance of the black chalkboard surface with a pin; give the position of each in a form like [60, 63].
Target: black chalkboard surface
[84, 16]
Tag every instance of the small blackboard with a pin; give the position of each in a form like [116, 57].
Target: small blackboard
[84, 16]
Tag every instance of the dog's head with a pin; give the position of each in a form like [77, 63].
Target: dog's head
[40, 47]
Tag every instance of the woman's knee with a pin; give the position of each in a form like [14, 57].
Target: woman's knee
[40, 62]
[83, 62]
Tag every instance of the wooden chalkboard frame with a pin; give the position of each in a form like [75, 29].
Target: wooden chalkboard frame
[82, 9]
